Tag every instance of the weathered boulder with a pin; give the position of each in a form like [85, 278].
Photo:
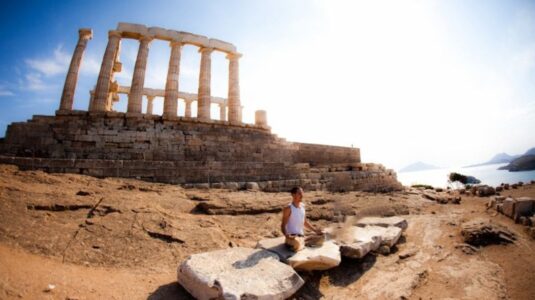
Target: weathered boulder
[383, 222]
[484, 191]
[238, 273]
[318, 258]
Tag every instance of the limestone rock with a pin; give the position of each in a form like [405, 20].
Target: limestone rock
[252, 186]
[523, 207]
[508, 207]
[319, 258]
[384, 222]
[238, 273]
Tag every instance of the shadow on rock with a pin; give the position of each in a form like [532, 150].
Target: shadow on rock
[348, 272]
[170, 291]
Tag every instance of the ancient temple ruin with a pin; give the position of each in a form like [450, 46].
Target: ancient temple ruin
[200, 151]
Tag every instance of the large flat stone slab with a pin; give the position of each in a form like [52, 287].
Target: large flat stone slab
[356, 242]
[383, 222]
[318, 258]
[310, 258]
[238, 273]
[277, 246]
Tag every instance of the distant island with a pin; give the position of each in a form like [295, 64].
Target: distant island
[418, 166]
[500, 158]
[525, 162]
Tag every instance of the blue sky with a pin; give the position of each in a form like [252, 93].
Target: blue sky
[446, 82]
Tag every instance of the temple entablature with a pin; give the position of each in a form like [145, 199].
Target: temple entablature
[136, 31]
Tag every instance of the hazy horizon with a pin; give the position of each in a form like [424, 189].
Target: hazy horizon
[448, 83]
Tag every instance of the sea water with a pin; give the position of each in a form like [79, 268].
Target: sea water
[488, 174]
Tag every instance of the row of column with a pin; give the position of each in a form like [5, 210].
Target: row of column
[104, 82]
[187, 111]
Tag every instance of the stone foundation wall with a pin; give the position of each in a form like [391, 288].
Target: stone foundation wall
[184, 151]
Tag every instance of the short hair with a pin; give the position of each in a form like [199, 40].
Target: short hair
[294, 190]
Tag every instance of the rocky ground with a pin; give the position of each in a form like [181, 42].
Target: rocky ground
[65, 236]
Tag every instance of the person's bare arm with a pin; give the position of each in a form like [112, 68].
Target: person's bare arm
[285, 217]
[310, 227]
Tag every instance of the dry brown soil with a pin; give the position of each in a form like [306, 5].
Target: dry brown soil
[123, 239]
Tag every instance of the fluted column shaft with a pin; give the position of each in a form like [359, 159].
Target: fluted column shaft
[222, 112]
[150, 100]
[234, 105]
[187, 112]
[135, 98]
[204, 94]
[67, 97]
[104, 77]
[170, 104]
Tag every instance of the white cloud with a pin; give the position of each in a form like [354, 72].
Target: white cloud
[5, 92]
[34, 82]
[90, 66]
[51, 66]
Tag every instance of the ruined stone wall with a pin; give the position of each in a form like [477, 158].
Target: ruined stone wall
[183, 151]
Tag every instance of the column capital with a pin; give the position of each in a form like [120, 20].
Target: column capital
[150, 97]
[85, 33]
[234, 55]
[146, 38]
[114, 33]
[176, 43]
[208, 50]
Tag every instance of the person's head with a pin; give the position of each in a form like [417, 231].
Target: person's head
[297, 193]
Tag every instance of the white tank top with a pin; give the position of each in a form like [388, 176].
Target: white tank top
[296, 220]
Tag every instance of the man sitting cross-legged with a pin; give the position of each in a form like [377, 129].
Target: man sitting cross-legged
[294, 221]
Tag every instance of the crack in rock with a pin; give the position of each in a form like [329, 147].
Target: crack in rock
[59, 207]
[164, 237]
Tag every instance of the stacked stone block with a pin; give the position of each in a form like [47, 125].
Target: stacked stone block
[184, 151]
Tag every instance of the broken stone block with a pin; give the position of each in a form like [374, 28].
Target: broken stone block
[356, 242]
[238, 273]
[383, 222]
[318, 258]
[508, 207]
[523, 207]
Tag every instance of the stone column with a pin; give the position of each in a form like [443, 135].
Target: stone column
[104, 77]
[260, 118]
[150, 100]
[187, 112]
[222, 112]
[203, 102]
[234, 105]
[135, 98]
[67, 98]
[170, 104]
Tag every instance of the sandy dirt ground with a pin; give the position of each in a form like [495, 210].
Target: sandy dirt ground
[65, 236]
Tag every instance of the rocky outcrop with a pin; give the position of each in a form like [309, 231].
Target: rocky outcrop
[238, 273]
[481, 232]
